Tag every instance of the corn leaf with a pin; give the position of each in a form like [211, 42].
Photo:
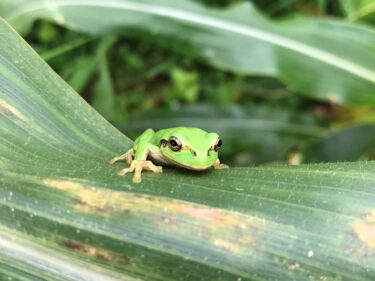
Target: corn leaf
[66, 215]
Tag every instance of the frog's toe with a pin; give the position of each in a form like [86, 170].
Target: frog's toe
[219, 165]
[137, 166]
[124, 171]
[137, 179]
[127, 156]
[127, 170]
[113, 160]
[152, 167]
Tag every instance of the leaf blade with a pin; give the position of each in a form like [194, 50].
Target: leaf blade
[57, 191]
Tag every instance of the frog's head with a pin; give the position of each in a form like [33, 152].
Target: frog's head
[191, 148]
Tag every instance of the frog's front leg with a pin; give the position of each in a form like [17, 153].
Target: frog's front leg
[127, 156]
[137, 166]
[140, 162]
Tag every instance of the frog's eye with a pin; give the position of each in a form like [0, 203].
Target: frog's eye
[174, 144]
[218, 144]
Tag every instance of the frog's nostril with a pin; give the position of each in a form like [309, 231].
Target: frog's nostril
[194, 153]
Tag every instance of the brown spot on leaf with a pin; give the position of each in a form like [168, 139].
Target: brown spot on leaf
[72, 245]
[10, 111]
[365, 229]
[96, 253]
[83, 205]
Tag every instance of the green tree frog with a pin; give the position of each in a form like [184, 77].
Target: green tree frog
[190, 148]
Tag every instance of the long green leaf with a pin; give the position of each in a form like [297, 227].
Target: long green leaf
[66, 215]
[334, 146]
[325, 59]
[360, 10]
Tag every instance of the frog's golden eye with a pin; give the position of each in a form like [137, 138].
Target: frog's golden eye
[218, 144]
[174, 144]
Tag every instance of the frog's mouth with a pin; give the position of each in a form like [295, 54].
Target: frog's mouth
[188, 167]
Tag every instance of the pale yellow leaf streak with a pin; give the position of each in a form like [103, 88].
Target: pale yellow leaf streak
[213, 22]
[365, 229]
[10, 111]
[230, 231]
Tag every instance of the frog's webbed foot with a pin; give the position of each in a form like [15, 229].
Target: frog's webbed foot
[128, 157]
[219, 165]
[137, 166]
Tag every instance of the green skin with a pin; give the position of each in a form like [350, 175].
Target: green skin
[196, 151]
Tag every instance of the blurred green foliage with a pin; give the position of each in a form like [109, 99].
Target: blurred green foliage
[134, 81]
